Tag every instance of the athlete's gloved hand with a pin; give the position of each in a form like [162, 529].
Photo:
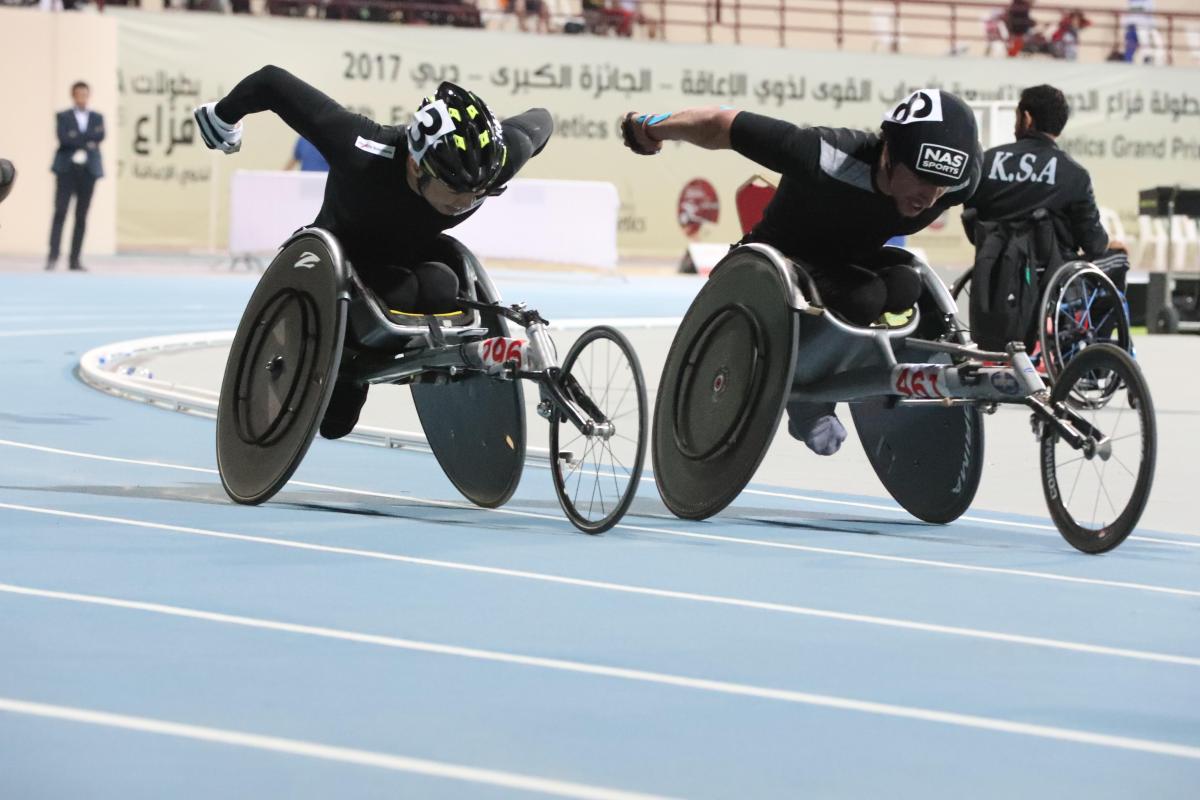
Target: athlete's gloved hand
[216, 133]
[637, 139]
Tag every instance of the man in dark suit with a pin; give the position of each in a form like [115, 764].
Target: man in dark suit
[76, 168]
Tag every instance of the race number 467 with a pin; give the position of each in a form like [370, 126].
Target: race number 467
[919, 381]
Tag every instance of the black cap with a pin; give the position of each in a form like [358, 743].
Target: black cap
[934, 134]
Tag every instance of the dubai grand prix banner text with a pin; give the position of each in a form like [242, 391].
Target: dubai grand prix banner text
[1133, 127]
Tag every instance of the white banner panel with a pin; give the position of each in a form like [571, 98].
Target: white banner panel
[563, 222]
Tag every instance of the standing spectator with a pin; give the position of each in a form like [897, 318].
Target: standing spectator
[306, 155]
[1019, 19]
[536, 8]
[76, 167]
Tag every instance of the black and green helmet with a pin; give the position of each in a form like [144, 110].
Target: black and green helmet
[456, 139]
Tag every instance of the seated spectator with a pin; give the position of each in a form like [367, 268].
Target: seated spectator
[1019, 19]
[1065, 41]
[624, 13]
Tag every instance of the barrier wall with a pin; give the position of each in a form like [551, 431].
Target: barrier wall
[1133, 126]
[41, 55]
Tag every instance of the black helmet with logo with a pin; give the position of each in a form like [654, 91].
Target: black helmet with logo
[456, 139]
[934, 134]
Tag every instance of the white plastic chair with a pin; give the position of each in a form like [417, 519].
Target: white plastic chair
[1110, 220]
[1152, 236]
[1185, 242]
[881, 26]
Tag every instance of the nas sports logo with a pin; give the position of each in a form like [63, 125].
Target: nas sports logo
[944, 161]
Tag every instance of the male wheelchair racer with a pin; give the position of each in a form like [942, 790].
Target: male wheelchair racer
[1057, 308]
[311, 322]
[759, 335]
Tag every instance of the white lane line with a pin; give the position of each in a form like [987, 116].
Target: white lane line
[660, 678]
[646, 591]
[325, 752]
[1024, 573]
[964, 518]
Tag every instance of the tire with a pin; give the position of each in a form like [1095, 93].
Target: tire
[597, 359]
[281, 368]
[1130, 464]
[1081, 307]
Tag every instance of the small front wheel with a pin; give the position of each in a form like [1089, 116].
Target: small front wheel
[1096, 492]
[596, 473]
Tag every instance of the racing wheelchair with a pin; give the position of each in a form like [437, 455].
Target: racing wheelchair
[311, 322]
[1079, 304]
[758, 335]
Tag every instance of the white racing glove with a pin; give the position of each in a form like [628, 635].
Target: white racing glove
[216, 133]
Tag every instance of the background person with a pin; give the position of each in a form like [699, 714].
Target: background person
[76, 169]
[307, 157]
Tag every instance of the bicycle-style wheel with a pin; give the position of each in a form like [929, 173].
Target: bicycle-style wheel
[1082, 307]
[1096, 493]
[596, 475]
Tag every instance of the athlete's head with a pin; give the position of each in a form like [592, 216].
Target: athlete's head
[456, 148]
[8, 174]
[929, 139]
[1042, 109]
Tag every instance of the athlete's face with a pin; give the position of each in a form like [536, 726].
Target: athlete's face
[913, 195]
[449, 202]
[443, 199]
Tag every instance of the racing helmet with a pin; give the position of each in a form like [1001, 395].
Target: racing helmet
[455, 138]
[8, 174]
[934, 134]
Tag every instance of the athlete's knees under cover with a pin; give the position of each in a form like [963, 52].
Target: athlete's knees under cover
[862, 294]
[430, 287]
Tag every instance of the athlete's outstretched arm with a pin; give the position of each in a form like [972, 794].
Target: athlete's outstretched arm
[525, 135]
[706, 127]
[773, 143]
[306, 110]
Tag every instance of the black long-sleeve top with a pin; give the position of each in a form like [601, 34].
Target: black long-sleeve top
[369, 206]
[828, 209]
[1033, 173]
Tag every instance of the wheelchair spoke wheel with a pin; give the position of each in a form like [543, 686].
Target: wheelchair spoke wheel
[1082, 307]
[1096, 493]
[596, 474]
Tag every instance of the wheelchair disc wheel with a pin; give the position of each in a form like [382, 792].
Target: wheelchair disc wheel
[1082, 307]
[1096, 493]
[596, 476]
[280, 370]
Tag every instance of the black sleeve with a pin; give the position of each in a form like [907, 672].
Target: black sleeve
[777, 145]
[309, 112]
[96, 136]
[525, 135]
[65, 131]
[1084, 218]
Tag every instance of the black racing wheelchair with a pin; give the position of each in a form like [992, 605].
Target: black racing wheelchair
[311, 321]
[758, 335]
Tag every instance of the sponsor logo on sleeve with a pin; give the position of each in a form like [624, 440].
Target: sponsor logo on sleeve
[940, 160]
